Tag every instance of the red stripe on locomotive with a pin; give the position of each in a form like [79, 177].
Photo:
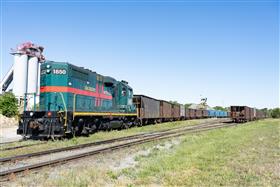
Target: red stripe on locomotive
[44, 89]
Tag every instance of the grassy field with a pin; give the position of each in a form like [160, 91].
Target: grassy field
[246, 155]
[243, 156]
[94, 137]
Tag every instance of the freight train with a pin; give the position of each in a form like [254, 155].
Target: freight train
[150, 110]
[75, 101]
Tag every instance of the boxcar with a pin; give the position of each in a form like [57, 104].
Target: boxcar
[165, 110]
[148, 109]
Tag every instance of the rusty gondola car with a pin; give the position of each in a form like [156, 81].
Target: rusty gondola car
[147, 108]
[190, 113]
[175, 111]
[165, 111]
[204, 113]
[241, 114]
[198, 113]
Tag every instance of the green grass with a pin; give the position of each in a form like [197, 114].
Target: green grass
[94, 137]
[247, 155]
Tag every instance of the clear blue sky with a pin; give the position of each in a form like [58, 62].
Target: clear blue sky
[182, 50]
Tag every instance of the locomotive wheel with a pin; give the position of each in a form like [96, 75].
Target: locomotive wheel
[125, 126]
[139, 123]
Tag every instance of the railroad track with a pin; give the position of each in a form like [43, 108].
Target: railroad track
[16, 147]
[7, 143]
[30, 145]
[69, 148]
[11, 172]
[20, 146]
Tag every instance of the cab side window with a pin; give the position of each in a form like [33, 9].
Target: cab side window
[124, 91]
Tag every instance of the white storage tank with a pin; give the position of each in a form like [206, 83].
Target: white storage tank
[20, 75]
[38, 83]
[32, 75]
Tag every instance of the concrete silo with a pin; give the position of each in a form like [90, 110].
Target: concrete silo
[25, 73]
[20, 75]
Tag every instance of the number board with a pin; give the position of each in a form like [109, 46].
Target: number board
[59, 71]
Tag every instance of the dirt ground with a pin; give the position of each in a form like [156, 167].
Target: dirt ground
[9, 134]
[8, 129]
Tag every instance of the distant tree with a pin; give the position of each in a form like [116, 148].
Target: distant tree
[266, 111]
[220, 108]
[275, 113]
[174, 102]
[8, 104]
[188, 105]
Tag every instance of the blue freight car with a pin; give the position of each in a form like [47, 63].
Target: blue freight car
[211, 113]
[221, 114]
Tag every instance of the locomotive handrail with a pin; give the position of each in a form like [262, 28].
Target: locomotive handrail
[27, 99]
[65, 108]
[74, 105]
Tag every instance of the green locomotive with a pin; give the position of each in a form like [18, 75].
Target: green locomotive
[74, 100]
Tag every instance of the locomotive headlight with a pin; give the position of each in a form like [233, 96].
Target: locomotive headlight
[31, 114]
[48, 71]
[48, 66]
[49, 114]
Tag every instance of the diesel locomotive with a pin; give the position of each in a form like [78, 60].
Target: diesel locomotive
[75, 100]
